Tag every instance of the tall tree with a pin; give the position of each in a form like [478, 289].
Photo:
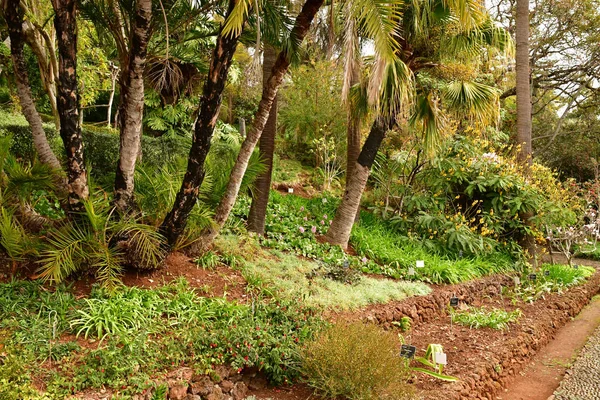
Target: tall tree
[523, 91]
[392, 80]
[301, 27]
[210, 104]
[13, 14]
[262, 186]
[339, 231]
[41, 38]
[132, 106]
[65, 24]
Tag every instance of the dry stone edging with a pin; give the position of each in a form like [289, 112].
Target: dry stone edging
[422, 309]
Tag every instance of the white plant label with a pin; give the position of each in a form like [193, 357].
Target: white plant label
[290, 190]
[440, 358]
[420, 264]
[411, 271]
[517, 281]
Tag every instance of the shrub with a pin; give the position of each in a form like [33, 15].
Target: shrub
[356, 361]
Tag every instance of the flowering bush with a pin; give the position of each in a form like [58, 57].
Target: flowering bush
[469, 198]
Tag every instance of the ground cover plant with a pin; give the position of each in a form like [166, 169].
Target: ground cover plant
[557, 279]
[128, 337]
[477, 318]
[332, 286]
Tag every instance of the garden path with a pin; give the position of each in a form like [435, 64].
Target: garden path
[582, 381]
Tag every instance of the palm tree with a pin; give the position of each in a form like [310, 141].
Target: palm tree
[394, 85]
[13, 14]
[226, 42]
[378, 22]
[65, 24]
[299, 31]
[132, 106]
[262, 186]
[524, 154]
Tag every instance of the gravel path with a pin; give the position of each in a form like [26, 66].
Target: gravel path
[582, 381]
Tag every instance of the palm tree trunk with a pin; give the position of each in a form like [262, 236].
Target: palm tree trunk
[210, 103]
[339, 231]
[524, 154]
[132, 108]
[13, 15]
[260, 200]
[68, 102]
[301, 27]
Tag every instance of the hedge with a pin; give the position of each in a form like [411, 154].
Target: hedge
[101, 145]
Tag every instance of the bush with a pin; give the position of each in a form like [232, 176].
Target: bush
[101, 145]
[357, 361]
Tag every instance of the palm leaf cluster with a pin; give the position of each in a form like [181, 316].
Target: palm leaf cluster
[100, 243]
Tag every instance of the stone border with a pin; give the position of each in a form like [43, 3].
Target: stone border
[422, 309]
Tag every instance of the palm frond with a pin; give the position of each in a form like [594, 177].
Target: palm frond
[64, 254]
[476, 101]
[24, 179]
[427, 114]
[237, 17]
[145, 244]
[469, 13]
[379, 20]
[351, 55]
[396, 82]
[473, 42]
[13, 237]
[108, 265]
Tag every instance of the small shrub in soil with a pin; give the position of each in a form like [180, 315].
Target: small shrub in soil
[483, 318]
[356, 361]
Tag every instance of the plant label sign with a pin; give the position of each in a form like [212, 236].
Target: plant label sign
[290, 190]
[517, 281]
[546, 273]
[440, 358]
[411, 271]
[346, 264]
[420, 264]
[408, 351]
[453, 301]
[532, 277]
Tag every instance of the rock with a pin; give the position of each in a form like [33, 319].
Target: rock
[178, 391]
[216, 394]
[193, 397]
[202, 387]
[222, 372]
[182, 374]
[226, 386]
[239, 391]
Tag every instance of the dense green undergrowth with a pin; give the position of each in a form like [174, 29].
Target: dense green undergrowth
[295, 224]
[128, 338]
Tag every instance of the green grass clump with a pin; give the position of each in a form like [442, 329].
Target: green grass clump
[394, 254]
[565, 275]
[559, 278]
[357, 362]
[286, 276]
[483, 318]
